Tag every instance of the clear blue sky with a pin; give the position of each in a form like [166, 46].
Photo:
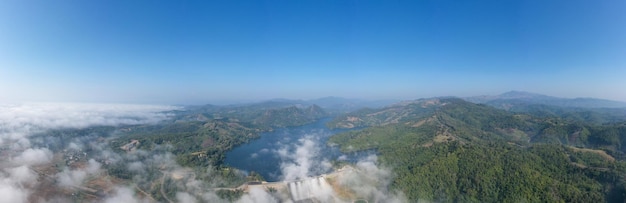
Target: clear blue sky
[207, 51]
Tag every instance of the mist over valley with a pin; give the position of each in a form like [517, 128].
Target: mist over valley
[294, 151]
[312, 101]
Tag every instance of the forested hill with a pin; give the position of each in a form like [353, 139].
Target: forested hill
[200, 136]
[265, 116]
[589, 110]
[448, 149]
[514, 98]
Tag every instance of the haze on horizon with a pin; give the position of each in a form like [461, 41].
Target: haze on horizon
[206, 51]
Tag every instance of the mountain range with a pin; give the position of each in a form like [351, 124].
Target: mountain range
[512, 98]
[514, 147]
[452, 150]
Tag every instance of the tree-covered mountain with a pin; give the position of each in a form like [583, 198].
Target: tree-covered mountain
[513, 98]
[439, 149]
[451, 150]
[332, 105]
[200, 136]
[265, 115]
[195, 143]
[588, 110]
[344, 105]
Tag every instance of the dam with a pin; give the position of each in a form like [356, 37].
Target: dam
[312, 189]
[309, 189]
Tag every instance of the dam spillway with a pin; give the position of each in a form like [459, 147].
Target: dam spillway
[310, 189]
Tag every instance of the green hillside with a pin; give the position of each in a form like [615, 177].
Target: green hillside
[201, 136]
[450, 150]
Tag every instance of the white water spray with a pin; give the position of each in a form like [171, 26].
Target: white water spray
[314, 188]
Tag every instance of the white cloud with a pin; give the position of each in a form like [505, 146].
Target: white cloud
[22, 175]
[371, 182]
[136, 166]
[18, 121]
[76, 115]
[303, 161]
[184, 197]
[75, 146]
[257, 195]
[93, 166]
[11, 193]
[123, 194]
[32, 157]
[70, 178]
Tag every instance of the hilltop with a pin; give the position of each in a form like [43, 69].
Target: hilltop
[443, 149]
[448, 149]
[513, 98]
[587, 110]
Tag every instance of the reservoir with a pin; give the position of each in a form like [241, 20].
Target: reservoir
[294, 147]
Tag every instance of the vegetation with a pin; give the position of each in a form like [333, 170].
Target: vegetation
[194, 143]
[201, 136]
[199, 139]
[264, 116]
[230, 195]
[443, 149]
[573, 114]
[449, 150]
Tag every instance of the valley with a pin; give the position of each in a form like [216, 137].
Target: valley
[308, 101]
[434, 150]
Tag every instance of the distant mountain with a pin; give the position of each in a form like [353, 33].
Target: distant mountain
[289, 116]
[263, 115]
[509, 95]
[514, 98]
[330, 104]
[394, 113]
[452, 118]
[589, 110]
[339, 104]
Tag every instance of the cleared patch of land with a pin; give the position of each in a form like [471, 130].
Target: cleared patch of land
[602, 153]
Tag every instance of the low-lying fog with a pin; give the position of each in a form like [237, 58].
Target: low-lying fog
[35, 164]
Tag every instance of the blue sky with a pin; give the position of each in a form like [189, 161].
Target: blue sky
[191, 52]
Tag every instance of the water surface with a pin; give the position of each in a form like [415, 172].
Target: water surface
[263, 155]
